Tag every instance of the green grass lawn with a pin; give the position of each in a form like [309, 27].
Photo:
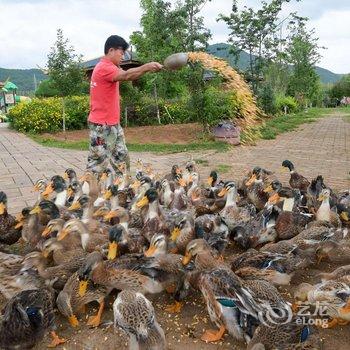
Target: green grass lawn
[284, 123]
[133, 147]
[272, 127]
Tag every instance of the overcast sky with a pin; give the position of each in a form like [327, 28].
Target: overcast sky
[28, 27]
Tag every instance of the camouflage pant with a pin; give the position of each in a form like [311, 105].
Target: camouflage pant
[107, 148]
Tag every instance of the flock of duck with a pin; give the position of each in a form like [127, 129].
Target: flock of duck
[233, 242]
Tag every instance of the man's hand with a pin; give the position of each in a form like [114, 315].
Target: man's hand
[153, 67]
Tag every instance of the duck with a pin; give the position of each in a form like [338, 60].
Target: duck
[134, 314]
[229, 299]
[257, 231]
[15, 277]
[231, 213]
[28, 316]
[47, 210]
[334, 296]
[90, 185]
[290, 335]
[153, 217]
[255, 188]
[296, 180]
[333, 251]
[338, 273]
[60, 254]
[70, 302]
[119, 274]
[202, 254]
[40, 186]
[9, 234]
[56, 276]
[70, 175]
[168, 262]
[123, 240]
[90, 240]
[182, 233]
[58, 185]
[290, 220]
[31, 227]
[324, 212]
[167, 193]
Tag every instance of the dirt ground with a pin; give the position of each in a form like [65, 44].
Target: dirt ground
[183, 331]
[172, 133]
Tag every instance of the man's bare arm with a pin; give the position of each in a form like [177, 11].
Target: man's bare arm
[135, 73]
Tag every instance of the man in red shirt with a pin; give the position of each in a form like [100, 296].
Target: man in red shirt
[107, 142]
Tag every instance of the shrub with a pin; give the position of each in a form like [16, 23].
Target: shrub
[45, 115]
[289, 102]
[219, 105]
[77, 110]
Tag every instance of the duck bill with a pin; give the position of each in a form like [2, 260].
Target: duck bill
[344, 216]
[75, 206]
[112, 214]
[36, 188]
[65, 176]
[45, 253]
[112, 250]
[82, 288]
[2, 208]
[150, 251]
[63, 233]
[48, 189]
[274, 199]
[182, 182]
[35, 210]
[175, 234]
[70, 192]
[320, 198]
[83, 178]
[284, 169]
[73, 321]
[118, 181]
[107, 195]
[142, 202]
[187, 258]
[222, 192]
[136, 185]
[210, 181]
[46, 232]
[251, 180]
[103, 177]
[19, 225]
[178, 171]
[268, 189]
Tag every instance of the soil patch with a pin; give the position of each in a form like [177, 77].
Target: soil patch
[166, 134]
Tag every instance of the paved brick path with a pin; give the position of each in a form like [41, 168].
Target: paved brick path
[322, 147]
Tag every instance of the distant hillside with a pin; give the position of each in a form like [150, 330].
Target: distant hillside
[23, 78]
[223, 51]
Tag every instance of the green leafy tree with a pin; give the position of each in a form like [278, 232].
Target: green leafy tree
[65, 71]
[341, 88]
[168, 29]
[64, 68]
[255, 31]
[303, 54]
[46, 89]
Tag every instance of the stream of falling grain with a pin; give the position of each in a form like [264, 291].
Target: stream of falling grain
[249, 119]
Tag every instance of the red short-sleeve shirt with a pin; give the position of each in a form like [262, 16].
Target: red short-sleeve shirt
[104, 94]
